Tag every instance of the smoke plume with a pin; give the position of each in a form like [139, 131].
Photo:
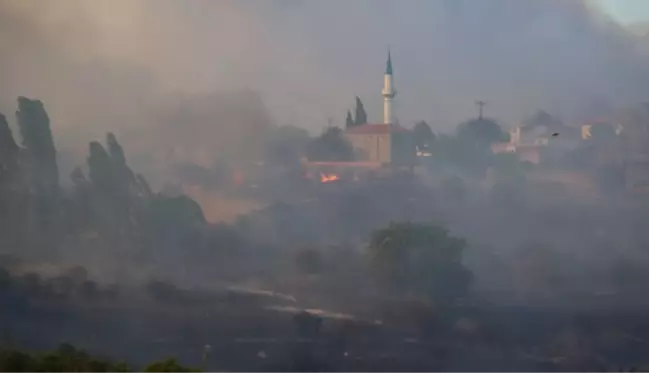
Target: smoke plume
[121, 65]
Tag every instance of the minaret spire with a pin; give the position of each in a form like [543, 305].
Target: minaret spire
[388, 91]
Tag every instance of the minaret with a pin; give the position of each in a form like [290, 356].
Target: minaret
[388, 92]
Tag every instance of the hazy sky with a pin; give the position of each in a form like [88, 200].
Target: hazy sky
[626, 11]
[120, 64]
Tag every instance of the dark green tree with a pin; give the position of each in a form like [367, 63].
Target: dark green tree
[543, 118]
[67, 358]
[421, 260]
[35, 129]
[423, 135]
[470, 148]
[126, 179]
[175, 213]
[330, 146]
[78, 178]
[481, 133]
[115, 149]
[101, 170]
[349, 121]
[361, 115]
[145, 188]
[9, 152]
[168, 365]
[17, 361]
[603, 133]
[285, 145]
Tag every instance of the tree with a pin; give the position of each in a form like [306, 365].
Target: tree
[602, 133]
[470, 148]
[423, 135]
[9, 152]
[421, 259]
[100, 168]
[145, 188]
[481, 132]
[349, 121]
[16, 361]
[126, 177]
[469, 156]
[110, 173]
[543, 118]
[13, 207]
[330, 146]
[67, 358]
[173, 213]
[126, 181]
[361, 115]
[286, 144]
[35, 129]
[78, 178]
[168, 365]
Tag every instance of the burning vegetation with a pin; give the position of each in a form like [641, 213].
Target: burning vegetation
[328, 178]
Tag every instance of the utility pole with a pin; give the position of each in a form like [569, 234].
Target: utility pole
[480, 104]
[207, 350]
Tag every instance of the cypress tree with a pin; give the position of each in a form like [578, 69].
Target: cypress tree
[34, 124]
[100, 168]
[9, 151]
[349, 121]
[361, 115]
[126, 177]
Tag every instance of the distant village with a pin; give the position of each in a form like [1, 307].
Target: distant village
[615, 144]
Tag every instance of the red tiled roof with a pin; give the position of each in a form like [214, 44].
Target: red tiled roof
[597, 121]
[375, 129]
[345, 164]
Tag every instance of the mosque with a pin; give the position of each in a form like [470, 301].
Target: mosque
[384, 143]
[378, 147]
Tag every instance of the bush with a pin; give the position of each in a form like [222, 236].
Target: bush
[420, 260]
[67, 358]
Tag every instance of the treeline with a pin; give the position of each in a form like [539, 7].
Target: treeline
[67, 358]
[109, 201]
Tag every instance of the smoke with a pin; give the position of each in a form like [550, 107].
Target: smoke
[120, 65]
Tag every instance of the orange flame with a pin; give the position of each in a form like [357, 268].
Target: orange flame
[238, 178]
[327, 178]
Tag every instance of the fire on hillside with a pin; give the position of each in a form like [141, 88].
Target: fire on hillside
[328, 178]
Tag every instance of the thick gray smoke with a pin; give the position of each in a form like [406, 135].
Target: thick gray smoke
[115, 65]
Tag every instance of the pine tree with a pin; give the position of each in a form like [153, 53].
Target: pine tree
[361, 115]
[349, 121]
